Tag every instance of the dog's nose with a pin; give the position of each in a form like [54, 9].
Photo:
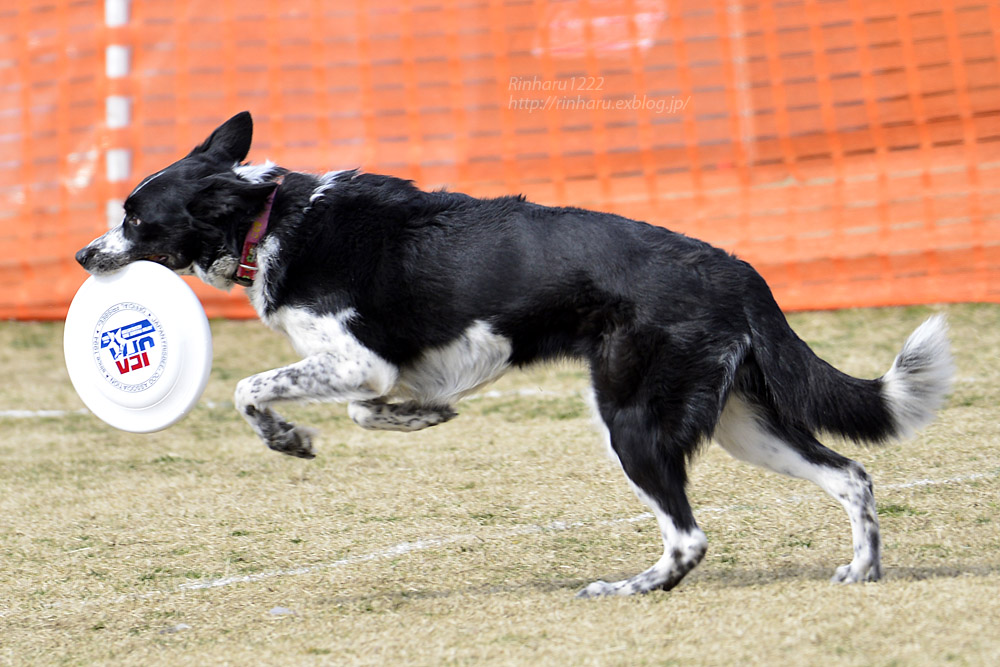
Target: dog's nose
[84, 255]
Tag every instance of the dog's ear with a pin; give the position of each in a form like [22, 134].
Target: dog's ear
[223, 197]
[229, 141]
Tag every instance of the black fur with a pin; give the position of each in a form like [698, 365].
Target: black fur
[672, 328]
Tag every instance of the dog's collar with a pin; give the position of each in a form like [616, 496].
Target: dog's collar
[247, 270]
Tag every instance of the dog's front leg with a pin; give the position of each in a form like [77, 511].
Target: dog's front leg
[321, 377]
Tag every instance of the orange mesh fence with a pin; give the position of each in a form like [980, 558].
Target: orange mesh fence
[850, 149]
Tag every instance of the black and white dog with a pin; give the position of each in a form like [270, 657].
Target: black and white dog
[401, 302]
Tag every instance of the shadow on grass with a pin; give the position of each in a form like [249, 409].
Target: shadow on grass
[385, 600]
[744, 577]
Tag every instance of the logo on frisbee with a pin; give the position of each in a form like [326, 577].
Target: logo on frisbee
[129, 347]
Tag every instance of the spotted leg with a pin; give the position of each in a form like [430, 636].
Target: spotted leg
[320, 377]
[751, 434]
[379, 415]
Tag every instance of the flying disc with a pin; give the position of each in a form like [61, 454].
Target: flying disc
[138, 347]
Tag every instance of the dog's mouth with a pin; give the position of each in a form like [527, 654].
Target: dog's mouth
[168, 261]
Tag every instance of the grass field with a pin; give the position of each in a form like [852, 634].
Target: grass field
[465, 543]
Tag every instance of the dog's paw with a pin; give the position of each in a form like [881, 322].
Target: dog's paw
[855, 573]
[596, 590]
[294, 441]
[430, 416]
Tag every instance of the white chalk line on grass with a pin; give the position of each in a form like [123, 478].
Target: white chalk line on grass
[409, 547]
[40, 414]
[961, 479]
[404, 548]
[935, 482]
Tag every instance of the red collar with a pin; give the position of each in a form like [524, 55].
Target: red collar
[247, 270]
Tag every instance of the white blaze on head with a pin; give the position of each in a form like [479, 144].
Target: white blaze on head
[113, 242]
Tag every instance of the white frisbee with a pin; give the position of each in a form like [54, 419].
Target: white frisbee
[138, 347]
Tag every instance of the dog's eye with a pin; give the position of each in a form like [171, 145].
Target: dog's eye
[133, 220]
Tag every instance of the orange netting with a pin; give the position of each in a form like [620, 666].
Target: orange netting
[850, 149]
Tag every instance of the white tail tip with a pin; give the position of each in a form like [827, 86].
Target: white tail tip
[920, 377]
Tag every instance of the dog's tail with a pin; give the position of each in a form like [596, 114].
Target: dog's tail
[804, 389]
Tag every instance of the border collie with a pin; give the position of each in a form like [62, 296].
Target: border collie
[401, 302]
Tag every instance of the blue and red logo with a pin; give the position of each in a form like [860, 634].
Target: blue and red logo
[129, 347]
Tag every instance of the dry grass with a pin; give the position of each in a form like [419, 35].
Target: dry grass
[465, 543]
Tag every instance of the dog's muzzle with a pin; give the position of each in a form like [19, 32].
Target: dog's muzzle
[84, 255]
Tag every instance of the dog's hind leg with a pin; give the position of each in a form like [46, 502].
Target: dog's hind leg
[656, 470]
[750, 433]
[378, 415]
[320, 377]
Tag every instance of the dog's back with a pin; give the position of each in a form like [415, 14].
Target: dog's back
[553, 280]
